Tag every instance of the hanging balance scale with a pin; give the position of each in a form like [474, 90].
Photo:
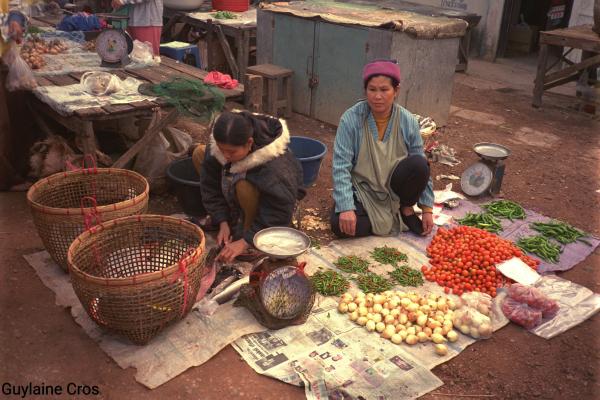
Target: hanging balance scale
[278, 293]
[113, 45]
[486, 174]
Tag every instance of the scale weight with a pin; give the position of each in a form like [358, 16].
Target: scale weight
[485, 175]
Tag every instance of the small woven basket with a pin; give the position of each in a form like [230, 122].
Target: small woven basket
[59, 212]
[136, 275]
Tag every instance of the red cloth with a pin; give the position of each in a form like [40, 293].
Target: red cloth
[150, 34]
[221, 80]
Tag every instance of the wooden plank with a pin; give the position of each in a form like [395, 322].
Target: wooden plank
[72, 123]
[235, 72]
[253, 94]
[41, 81]
[562, 81]
[243, 53]
[573, 68]
[538, 89]
[265, 25]
[117, 108]
[566, 41]
[61, 80]
[90, 113]
[147, 74]
[150, 133]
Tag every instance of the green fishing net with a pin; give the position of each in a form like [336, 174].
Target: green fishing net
[191, 97]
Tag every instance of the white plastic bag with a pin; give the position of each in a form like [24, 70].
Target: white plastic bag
[19, 75]
[142, 53]
[100, 83]
[153, 160]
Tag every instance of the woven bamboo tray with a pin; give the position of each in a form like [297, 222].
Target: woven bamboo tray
[136, 275]
[59, 211]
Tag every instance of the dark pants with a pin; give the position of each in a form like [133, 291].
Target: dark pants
[408, 181]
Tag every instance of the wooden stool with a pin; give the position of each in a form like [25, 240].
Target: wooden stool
[278, 82]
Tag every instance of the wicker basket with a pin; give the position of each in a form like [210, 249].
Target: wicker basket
[135, 275]
[56, 203]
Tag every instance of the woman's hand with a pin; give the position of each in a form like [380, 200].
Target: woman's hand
[232, 250]
[348, 222]
[224, 235]
[15, 31]
[427, 219]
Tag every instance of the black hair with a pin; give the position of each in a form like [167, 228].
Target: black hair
[395, 82]
[233, 128]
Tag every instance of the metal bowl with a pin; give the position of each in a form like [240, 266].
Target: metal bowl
[491, 151]
[285, 293]
[281, 242]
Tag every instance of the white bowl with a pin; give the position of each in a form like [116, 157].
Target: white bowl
[183, 5]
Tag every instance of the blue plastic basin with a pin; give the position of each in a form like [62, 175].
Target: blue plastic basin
[185, 181]
[310, 153]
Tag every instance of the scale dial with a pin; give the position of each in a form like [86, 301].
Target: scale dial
[112, 45]
[476, 179]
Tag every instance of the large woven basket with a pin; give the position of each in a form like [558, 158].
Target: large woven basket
[136, 275]
[59, 210]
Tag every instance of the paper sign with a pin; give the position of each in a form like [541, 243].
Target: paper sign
[518, 271]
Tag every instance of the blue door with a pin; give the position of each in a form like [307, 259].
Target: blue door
[293, 46]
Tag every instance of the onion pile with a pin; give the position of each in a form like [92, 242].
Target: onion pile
[403, 317]
[34, 49]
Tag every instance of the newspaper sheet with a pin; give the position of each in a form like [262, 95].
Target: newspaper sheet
[188, 343]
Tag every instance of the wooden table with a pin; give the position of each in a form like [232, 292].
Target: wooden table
[576, 37]
[82, 121]
[217, 33]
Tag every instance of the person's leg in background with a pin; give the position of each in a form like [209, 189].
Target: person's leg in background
[363, 224]
[408, 181]
[6, 169]
[149, 34]
[247, 196]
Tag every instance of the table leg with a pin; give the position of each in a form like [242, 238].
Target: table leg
[538, 89]
[87, 139]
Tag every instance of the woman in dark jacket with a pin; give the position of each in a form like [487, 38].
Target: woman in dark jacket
[250, 180]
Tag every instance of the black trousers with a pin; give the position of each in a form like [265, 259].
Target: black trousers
[408, 181]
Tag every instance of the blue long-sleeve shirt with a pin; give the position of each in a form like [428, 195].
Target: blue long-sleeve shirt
[347, 144]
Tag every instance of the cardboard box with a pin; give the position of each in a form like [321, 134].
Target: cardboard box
[523, 38]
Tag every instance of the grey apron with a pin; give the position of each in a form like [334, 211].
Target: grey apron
[371, 176]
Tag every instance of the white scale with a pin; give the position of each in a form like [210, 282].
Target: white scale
[485, 175]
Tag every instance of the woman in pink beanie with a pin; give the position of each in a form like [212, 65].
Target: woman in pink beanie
[379, 168]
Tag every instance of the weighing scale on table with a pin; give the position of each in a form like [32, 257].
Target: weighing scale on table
[485, 175]
[114, 45]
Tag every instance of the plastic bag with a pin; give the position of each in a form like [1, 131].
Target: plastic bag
[521, 313]
[473, 323]
[142, 54]
[153, 160]
[534, 298]
[100, 83]
[19, 75]
[478, 301]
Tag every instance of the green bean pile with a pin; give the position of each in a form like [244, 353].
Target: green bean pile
[540, 246]
[373, 283]
[406, 276]
[483, 221]
[352, 264]
[560, 231]
[388, 255]
[505, 209]
[329, 283]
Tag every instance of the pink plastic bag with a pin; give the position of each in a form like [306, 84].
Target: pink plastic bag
[534, 298]
[521, 313]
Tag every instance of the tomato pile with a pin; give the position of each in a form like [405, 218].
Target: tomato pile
[463, 259]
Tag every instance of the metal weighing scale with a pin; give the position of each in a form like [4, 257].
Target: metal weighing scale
[485, 175]
[278, 293]
[114, 45]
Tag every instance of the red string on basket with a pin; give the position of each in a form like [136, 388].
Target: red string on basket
[183, 263]
[90, 170]
[89, 217]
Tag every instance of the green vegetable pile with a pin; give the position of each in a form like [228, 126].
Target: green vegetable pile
[560, 231]
[540, 246]
[505, 209]
[485, 221]
[388, 255]
[406, 276]
[373, 283]
[224, 15]
[352, 264]
[329, 283]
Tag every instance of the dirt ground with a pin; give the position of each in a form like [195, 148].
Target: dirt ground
[554, 169]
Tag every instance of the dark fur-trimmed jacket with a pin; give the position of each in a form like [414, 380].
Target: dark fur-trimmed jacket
[270, 166]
